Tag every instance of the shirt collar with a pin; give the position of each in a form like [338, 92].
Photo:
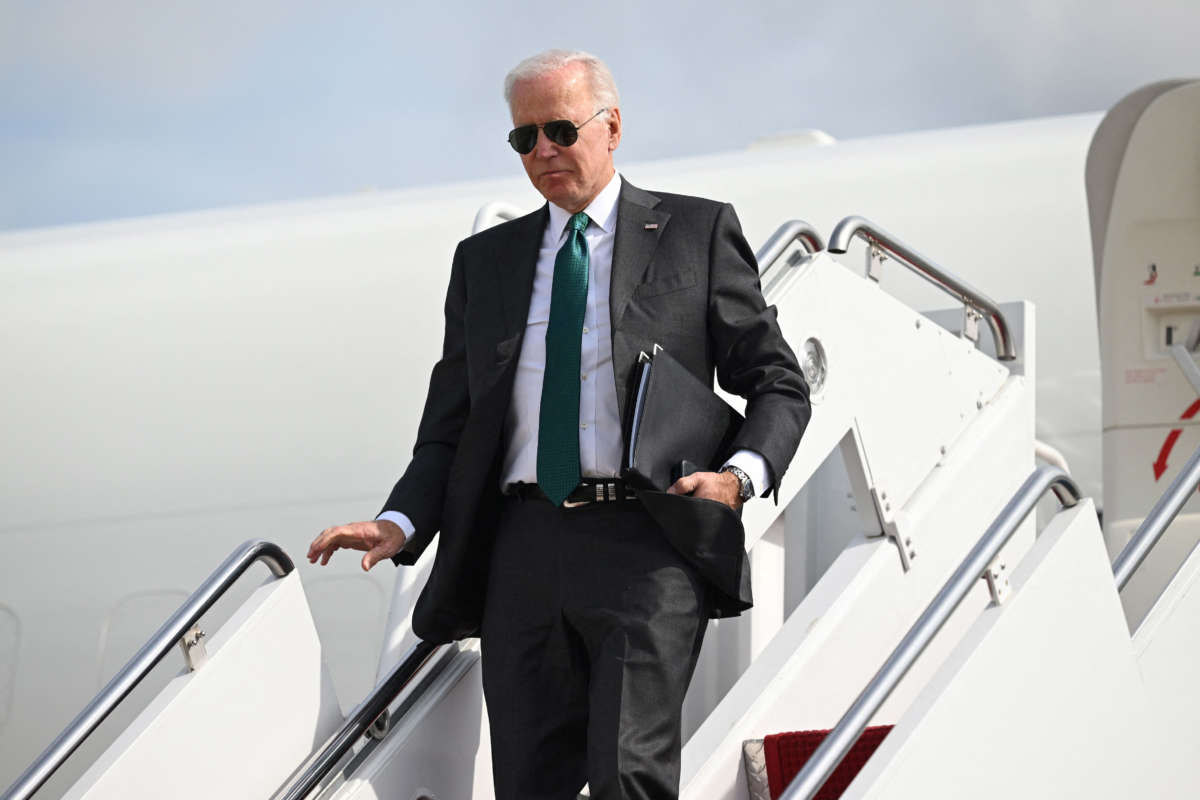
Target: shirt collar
[602, 211]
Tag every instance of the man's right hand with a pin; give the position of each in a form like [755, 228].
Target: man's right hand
[380, 538]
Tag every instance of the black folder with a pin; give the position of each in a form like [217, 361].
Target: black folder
[674, 417]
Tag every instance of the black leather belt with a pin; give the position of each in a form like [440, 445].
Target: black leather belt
[590, 490]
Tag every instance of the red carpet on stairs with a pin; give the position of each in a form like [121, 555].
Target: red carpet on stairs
[786, 754]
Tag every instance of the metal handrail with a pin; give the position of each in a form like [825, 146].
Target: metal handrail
[1156, 522]
[877, 237]
[322, 762]
[129, 676]
[838, 742]
[795, 230]
[1187, 365]
[498, 210]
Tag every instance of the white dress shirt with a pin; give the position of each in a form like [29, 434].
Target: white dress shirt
[599, 415]
[600, 442]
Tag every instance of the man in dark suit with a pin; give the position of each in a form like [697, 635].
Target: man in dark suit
[591, 599]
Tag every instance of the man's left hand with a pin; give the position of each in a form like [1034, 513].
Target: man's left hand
[721, 486]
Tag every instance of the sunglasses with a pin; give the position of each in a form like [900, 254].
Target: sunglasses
[563, 133]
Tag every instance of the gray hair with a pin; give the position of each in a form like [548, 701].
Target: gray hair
[604, 88]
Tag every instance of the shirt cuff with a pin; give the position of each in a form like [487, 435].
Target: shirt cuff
[755, 466]
[400, 519]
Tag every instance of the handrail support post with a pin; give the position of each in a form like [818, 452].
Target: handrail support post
[192, 645]
[380, 727]
[996, 577]
[889, 528]
[875, 258]
[971, 318]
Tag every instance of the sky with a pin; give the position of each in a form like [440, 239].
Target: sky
[120, 108]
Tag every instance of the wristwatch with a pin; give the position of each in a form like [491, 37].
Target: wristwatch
[746, 489]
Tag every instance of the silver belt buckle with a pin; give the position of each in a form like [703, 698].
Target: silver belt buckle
[605, 491]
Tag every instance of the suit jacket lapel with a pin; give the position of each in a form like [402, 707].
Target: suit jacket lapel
[639, 226]
[517, 263]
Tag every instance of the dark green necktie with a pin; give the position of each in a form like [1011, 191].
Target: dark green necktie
[558, 425]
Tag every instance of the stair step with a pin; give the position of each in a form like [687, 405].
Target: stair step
[772, 762]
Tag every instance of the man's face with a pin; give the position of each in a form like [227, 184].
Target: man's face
[569, 177]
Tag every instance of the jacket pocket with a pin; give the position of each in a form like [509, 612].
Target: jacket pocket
[674, 281]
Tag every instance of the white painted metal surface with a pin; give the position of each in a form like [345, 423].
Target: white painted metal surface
[833, 642]
[1166, 644]
[1146, 227]
[239, 725]
[1042, 697]
[872, 342]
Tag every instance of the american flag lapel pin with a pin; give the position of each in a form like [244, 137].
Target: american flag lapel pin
[651, 226]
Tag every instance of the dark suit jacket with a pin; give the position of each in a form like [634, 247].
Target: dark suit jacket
[691, 285]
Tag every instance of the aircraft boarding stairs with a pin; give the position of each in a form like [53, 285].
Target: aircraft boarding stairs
[914, 475]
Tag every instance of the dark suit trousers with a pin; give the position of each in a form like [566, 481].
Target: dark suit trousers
[591, 632]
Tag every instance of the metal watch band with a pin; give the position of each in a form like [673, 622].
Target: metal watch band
[746, 490]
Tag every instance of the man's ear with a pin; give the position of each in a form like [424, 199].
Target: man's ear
[614, 128]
